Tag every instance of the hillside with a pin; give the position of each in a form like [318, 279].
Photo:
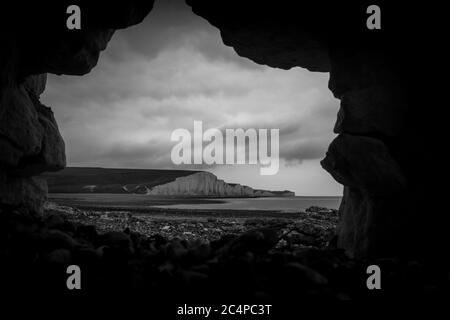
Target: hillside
[149, 181]
[105, 180]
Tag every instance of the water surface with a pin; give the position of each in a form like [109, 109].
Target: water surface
[141, 201]
[276, 203]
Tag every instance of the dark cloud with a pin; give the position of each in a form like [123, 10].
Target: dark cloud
[152, 153]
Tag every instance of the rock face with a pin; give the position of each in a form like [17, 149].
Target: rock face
[35, 41]
[207, 184]
[378, 154]
[30, 143]
[382, 78]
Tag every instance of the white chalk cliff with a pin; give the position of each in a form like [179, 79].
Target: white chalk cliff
[207, 184]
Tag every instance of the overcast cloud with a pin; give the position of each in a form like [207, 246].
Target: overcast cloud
[173, 69]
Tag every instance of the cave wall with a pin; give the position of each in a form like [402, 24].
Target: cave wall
[376, 155]
[35, 41]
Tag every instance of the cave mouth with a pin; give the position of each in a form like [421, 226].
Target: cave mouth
[378, 154]
[173, 69]
[373, 155]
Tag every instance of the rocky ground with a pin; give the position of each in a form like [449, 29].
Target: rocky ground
[312, 228]
[180, 259]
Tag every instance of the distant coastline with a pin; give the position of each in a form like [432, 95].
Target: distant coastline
[152, 182]
[140, 202]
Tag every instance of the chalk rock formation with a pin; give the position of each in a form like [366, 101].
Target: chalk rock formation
[207, 184]
[148, 181]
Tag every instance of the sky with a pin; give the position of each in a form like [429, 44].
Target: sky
[172, 69]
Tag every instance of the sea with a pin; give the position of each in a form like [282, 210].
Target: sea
[286, 204]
